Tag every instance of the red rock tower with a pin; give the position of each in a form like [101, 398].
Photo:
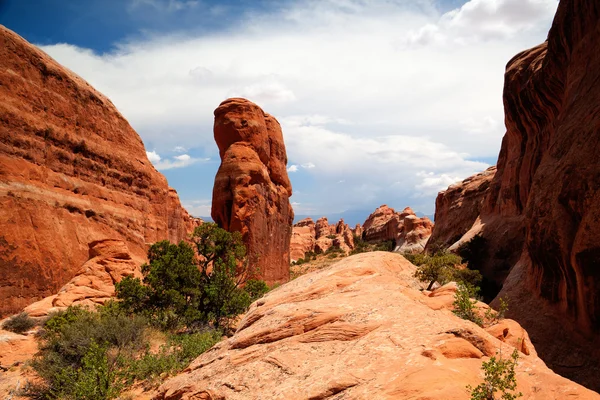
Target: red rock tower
[252, 188]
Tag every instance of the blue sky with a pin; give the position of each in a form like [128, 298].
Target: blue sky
[381, 101]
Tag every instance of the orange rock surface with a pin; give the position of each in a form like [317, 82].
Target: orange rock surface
[360, 329]
[252, 188]
[110, 261]
[320, 237]
[303, 239]
[72, 171]
[458, 208]
[405, 229]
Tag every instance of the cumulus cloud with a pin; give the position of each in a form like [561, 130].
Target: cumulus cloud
[179, 161]
[198, 208]
[292, 168]
[373, 92]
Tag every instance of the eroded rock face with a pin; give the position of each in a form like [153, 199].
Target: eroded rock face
[303, 239]
[72, 171]
[407, 231]
[320, 237]
[110, 261]
[458, 208]
[360, 329]
[541, 214]
[252, 189]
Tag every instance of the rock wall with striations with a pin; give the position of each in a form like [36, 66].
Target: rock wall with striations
[252, 188]
[72, 171]
[541, 216]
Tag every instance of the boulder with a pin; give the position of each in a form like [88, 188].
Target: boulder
[110, 261]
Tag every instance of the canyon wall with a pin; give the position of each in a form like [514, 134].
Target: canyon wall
[252, 188]
[72, 171]
[541, 213]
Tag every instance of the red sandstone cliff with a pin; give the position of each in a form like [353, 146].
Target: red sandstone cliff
[541, 212]
[72, 171]
[252, 188]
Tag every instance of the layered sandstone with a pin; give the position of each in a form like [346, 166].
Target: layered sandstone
[407, 231]
[361, 329]
[458, 208]
[319, 237]
[110, 261]
[540, 216]
[252, 188]
[72, 171]
[303, 239]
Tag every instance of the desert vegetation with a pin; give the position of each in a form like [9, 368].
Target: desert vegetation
[181, 307]
[500, 381]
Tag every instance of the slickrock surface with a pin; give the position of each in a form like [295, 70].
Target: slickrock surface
[15, 351]
[409, 232]
[360, 329]
[72, 171]
[252, 188]
[541, 216]
[110, 261]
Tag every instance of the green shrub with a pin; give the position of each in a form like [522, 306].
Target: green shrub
[491, 316]
[83, 353]
[180, 289]
[464, 307]
[19, 323]
[256, 289]
[442, 267]
[331, 237]
[173, 356]
[388, 245]
[96, 355]
[499, 377]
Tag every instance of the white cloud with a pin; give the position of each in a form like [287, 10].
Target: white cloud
[292, 168]
[364, 90]
[198, 208]
[180, 161]
[153, 156]
[179, 149]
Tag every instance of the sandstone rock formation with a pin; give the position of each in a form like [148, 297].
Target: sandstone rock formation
[407, 231]
[360, 329]
[110, 261]
[72, 171]
[540, 216]
[458, 208]
[252, 188]
[303, 239]
[320, 237]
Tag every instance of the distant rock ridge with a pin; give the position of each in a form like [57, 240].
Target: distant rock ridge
[72, 171]
[540, 214]
[319, 237]
[407, 231]
[252, 189]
